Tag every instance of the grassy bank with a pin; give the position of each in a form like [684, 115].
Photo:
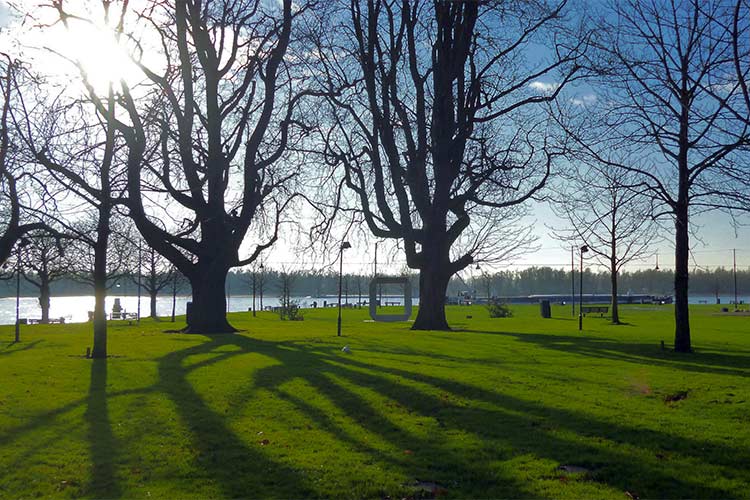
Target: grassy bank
[490, 410]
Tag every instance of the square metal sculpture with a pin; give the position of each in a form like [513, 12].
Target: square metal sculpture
[387, 280]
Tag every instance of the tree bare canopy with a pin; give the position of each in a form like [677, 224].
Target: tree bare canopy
[673, 105]
[438, 123]
[18, 220]
[206, 132]
[44, 262]
[606, 210]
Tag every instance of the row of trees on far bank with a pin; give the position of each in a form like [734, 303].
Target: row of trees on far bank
[355, 287]
[431, 123]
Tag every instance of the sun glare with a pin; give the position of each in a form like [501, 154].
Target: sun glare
[58, 49]
[101, 56]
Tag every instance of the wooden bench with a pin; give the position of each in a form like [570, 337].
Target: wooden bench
[123, 315]
[602, 310]
[38, 321]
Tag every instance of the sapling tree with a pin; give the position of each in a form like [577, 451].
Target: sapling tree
[606, 209]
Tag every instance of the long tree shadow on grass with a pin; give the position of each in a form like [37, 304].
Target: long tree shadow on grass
[223, 457]
[25, 346]
[507, 426]
[643, 353]
[102, 443]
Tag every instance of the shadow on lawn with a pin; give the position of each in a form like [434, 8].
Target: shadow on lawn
[24, 346]
[103, 446]
[624, 457]
[491, 427]
[223, 456]
[600, 347]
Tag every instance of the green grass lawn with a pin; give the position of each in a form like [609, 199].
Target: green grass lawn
[492, 409]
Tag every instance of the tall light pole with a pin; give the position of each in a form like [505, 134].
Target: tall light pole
[734, 271]
[584, 249]
[261, 286]
[140, 269]
[21, 243]
[344, 246]
[573, 281]
[254, 273]
[375, 271]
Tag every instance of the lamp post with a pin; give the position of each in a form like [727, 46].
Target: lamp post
[344, 246]
[261, 286]
[21, 243]
[584, 249]
[734, 272]
[573, 282]
[140, 274]
[254, 273]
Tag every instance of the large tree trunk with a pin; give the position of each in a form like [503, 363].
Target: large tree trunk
[681, 313]
[99, 350]
[44, 298]
[209, 309]
[433, 285]
[615, 304]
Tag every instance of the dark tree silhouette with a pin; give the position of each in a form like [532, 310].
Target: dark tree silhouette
[438, 124]
[151, 271]
[605, 208]
[44, 262]
[16, 221]
[219, 118]
[673, 102]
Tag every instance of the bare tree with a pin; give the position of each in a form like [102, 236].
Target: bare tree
[220, 116]
[16, 221]
[673, 106]
[288, 308]
[438, 124]
[157, 277]
[605, 209]
[80, 153]
[44, 262]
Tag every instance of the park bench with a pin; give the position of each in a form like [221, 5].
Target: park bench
[38, 321]
[602, 310]
[123, 315]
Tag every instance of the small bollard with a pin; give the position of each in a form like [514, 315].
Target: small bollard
[88, 352]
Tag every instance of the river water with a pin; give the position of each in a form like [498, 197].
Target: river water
[75, 309]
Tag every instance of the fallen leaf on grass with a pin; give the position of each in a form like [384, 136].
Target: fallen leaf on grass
[408, 452]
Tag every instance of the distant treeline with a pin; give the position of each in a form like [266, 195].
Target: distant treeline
[546, 280]
[533, 280]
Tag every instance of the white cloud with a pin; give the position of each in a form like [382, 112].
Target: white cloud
[546, 88]
[584, 100]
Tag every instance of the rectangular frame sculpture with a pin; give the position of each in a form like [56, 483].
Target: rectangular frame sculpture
[390, 280]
